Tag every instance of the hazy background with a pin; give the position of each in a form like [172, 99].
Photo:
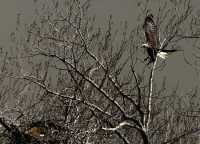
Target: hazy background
[176, 70]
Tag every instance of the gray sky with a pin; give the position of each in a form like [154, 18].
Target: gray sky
[8, 15]
[121, 10]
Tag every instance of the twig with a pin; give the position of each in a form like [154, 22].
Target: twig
[122, 124]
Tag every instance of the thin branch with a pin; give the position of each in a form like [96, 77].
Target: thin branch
[124, 123]
[120, 135]
[139, 96]
[120, 125]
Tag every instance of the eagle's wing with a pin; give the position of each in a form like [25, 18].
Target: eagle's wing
[150, 32]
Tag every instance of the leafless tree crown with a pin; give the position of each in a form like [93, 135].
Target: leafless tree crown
[65, 80]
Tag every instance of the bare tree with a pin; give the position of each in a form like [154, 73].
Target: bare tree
[76, 83]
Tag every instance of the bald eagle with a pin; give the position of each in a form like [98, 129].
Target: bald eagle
[152, 39]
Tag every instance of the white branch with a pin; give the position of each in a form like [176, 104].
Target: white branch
[162, 44]
[148, 119]
[118, 126]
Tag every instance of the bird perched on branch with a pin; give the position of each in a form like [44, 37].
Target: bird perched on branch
[152, 39]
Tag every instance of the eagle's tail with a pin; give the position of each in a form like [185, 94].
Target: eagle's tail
[162, 55]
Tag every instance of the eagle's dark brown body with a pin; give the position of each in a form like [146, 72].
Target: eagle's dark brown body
[151, 37]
